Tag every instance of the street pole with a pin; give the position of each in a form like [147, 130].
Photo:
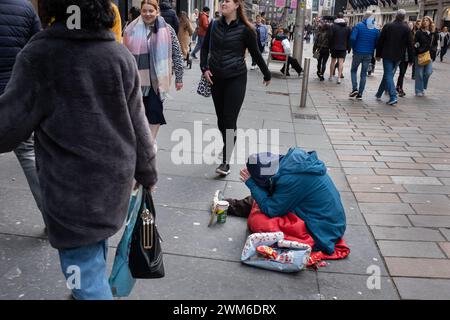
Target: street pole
[299, 31]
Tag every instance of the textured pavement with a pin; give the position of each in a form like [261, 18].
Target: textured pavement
[389, 164]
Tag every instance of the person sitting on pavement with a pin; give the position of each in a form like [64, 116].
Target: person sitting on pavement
[363, 39]
[296, 182]
[281, 44]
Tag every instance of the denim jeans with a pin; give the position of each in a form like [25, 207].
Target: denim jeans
[198, 46]
[423, 73]
[25, 154]
[358, 59]
[85, 270]
[388, 79]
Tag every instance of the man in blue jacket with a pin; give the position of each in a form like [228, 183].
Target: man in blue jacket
[297, 182]
[364, 39]
[18, 23]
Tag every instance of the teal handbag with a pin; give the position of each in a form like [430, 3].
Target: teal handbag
[121, 281]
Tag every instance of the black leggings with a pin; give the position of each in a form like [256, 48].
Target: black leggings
[322, 61]
[402, 69]
[228, 96]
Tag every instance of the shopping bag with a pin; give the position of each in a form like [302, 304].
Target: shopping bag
[121, 281]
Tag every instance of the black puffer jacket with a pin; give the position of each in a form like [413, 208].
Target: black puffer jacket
[227, 54]
[339, 36]
[170, 16]
[18, 23]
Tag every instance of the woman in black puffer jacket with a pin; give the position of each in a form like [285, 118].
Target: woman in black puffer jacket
[225, 43]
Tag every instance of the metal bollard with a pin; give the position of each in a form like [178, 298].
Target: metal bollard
[305, 83]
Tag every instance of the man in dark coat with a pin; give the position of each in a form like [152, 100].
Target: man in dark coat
[18, 23]
[339, 42]
[79, 91]
[395, 41]
[169, 15]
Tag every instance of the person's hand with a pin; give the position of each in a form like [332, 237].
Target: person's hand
[266, 83]
[411, 64]
[152, 188]
[208, 76]
[179, 86]
[245, 175]
[378, 59]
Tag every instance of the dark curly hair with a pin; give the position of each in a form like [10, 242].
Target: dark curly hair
[95, 14]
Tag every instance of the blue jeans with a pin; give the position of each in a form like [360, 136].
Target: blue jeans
[388, 79]
[25, 154]
[85, 270]
[358, 59]
[422, 76]
[198, 46]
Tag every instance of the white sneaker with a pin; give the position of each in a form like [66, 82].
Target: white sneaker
[338, 81]
[252, 67]
[330, 79]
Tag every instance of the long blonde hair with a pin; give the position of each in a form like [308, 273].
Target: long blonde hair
[431, 26]
[243, 16]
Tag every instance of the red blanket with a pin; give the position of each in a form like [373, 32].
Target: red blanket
[294, 229]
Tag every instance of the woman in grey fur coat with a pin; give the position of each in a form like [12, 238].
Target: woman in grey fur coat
[79, 91]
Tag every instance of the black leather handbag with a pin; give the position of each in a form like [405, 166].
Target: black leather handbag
[146, 257]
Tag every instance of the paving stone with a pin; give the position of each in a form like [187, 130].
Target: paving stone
[358, 164]
[353, 152]
[431, 160]
[339, 179]
[30, 270]
[423, 289]
[418, 166]
[355, 158]
[433, 209]
[445, 246]
[445, 232]
[445, 167]
[398, 172]
[406, 233]
[360, 179]
[376, 187]
[438, 174]
[385, 148]
[421, 268]
[411, 249]
[436, 199]
[386, 208]
[364, 253]
[387, 220]
[399, 153]
[354, 287]
[182, 282]
[358, 171]
[376, 197]
[430, 221]
[427, 189]
[415, 180]
[313, 141]
[352, 213]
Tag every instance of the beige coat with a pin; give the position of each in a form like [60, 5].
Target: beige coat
[184, 36]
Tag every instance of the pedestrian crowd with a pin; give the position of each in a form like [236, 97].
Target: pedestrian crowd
[399, 44]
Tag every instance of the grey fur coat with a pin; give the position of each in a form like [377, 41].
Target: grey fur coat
[79, 92]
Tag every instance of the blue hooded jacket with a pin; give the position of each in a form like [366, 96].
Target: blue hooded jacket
[364, 37]
[302, 186]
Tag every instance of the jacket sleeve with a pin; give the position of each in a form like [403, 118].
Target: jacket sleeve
[252, 46]
[145, 172]
[349, 44]
[177, 56]
[280, 203]
[19, 114]
[354, 36]
[380, 44]
[204, 52]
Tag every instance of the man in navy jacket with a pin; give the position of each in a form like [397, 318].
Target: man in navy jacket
[364, 39]
[18, 23]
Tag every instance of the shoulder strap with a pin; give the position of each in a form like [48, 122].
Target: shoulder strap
[211, 33]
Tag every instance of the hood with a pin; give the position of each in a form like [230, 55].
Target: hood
[340, 22]
[165, 5]
[262, 166]
[370, 23]
[280, 37]
[299, 161]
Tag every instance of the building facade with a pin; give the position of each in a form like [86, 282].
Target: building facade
[438, 10]
[383, 10]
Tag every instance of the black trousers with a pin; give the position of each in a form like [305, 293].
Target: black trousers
[294, 63]
[403, 66]
[322, 61]
[228, 96]
[443, 52]
[240, 208]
